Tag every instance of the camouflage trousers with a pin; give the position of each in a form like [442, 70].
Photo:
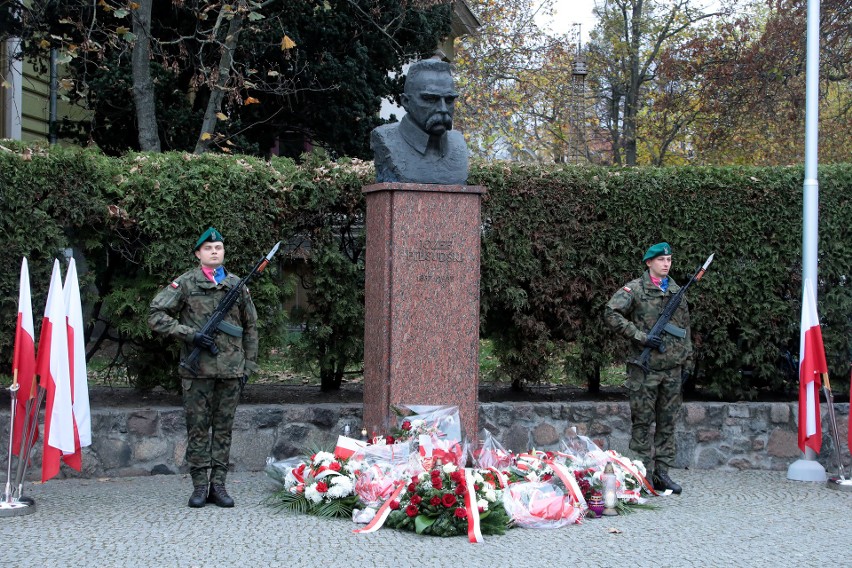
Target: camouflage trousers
[209, 405]
[654, 398]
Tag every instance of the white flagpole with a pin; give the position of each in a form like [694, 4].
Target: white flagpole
[807, 468]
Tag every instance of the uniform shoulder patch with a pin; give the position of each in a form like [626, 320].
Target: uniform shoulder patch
[174, 284]
[628, 289]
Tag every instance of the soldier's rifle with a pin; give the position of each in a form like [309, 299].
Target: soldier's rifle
[666, 316]
[211, 328]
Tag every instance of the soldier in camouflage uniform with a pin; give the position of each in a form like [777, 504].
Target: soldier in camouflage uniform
[656, 396]
[210, 397]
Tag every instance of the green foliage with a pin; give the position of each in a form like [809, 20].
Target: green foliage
[332, 219]
[49, 201]
[557, 242]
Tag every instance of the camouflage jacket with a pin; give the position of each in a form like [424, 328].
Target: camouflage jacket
[634, 309]
[183, 307]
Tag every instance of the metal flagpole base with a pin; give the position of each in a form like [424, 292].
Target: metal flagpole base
[806, 470]
[840, 483]
[16, 508]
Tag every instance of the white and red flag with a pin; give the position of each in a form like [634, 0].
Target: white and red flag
[77, 367]
[23, 361]
[811, 367]
[52, 368]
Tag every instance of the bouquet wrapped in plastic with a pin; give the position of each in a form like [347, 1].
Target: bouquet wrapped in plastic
[491, 454]
[540, 505]
[435, 432]
[587, 460]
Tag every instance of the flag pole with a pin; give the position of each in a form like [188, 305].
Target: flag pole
[835, 482]
[13, 390]
[807, 468]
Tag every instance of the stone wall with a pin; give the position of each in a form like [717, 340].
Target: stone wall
[130, 442]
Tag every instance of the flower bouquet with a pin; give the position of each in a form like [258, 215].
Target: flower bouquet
[491, 454]
[448, 501]
[587, 461]
[322, 485]
[541, 505]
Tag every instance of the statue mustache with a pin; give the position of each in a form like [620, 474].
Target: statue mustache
[440, 119]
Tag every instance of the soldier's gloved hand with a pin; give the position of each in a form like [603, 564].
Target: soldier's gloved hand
[652, 342]
[202, 341]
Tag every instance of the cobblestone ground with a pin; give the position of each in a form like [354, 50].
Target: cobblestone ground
[751, 518]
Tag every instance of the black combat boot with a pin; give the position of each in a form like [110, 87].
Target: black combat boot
[662, 481]
[199, 496]
[219, 495]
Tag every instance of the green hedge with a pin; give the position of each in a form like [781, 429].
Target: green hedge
[560, 240]
[557, 242]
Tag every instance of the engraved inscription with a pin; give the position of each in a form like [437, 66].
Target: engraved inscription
[432, 250]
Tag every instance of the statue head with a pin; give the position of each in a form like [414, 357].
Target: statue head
[429, 97]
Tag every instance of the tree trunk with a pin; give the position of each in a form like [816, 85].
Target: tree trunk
[634, 78]
[217, 92]
[143, 87]
[331, 379]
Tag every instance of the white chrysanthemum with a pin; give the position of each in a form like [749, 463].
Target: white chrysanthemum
[311, 494]
[416, 424]
[290, 480]
[449, 467]
[355, 465]
[477, 478]
[491, 495]
[323, 458]
[341, 486]
[482, 504]
[423, 476]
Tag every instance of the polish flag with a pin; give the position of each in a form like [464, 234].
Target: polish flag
[346, 447]
[811, 367]
[52, 367]
[77, 367]
[23, 362]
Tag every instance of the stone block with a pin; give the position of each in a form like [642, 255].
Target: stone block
[739, 410]
[114, 453]
[779, 413]
[783, 444]
[147, 449]
[545, 435]
[709, 458]
[517, 439]
[143, 423]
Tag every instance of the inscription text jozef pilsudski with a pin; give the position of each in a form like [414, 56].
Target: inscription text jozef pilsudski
[421, 337]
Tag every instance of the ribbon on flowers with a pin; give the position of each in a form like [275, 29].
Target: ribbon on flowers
[383, 512]
[570, 482]
[474, 533]
[628, 467]
[500, 476]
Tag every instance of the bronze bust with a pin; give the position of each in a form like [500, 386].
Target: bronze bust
[422, 147]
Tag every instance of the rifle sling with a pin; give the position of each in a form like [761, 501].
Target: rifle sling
[230, 329]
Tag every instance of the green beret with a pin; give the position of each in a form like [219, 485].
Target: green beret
[211, 235]
[656, 250]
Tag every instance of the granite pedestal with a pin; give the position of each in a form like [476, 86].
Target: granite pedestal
[421, 339]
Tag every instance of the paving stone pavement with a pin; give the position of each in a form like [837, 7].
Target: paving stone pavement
[746, 518]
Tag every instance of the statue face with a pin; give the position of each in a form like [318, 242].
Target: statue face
[430, 101]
